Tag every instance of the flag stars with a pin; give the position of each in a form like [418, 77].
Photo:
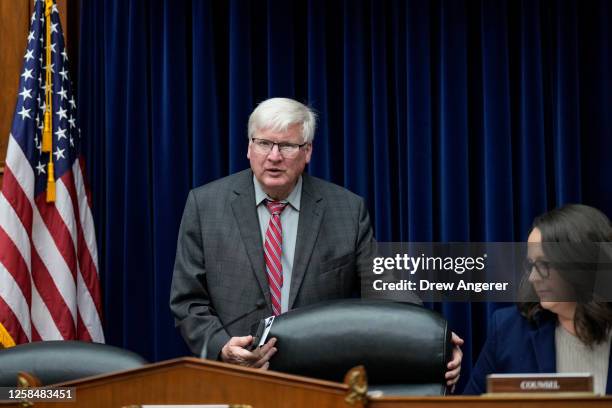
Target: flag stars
[62, 113]
[27, 74]
[51, 68]
[64, 55]
[26, 93]
[29, 55]
[71, 120]
[60, 133]
[52, 47]
[64, 74]
[40, 168]
[24, 113]
[72, 102]
[54, 27]
[59, 153]
[71, 141]
[62, 93]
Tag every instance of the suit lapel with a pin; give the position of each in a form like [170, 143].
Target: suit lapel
[543, 342]
[245, 212]
[312, 207]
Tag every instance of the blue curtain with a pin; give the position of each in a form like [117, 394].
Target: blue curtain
[455, 120]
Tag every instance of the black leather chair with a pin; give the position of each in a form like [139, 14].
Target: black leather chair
[404, 347]
[58, 361]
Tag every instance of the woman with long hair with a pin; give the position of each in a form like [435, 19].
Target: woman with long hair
[564, 326]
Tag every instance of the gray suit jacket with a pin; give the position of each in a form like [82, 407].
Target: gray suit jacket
[219, 272]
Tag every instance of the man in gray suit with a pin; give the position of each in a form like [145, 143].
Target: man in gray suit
[267, 240]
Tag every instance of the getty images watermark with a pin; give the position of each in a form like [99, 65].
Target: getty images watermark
[493, 271]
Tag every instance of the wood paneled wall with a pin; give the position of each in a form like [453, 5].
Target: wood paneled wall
[14, 26]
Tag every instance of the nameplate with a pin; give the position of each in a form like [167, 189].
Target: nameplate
[575, 383]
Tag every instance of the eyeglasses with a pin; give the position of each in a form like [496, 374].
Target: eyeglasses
[542, 267]
[264, 146]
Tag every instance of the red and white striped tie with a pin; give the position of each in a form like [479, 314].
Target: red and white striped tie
[273, 252]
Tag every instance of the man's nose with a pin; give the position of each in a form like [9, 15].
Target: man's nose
[275, 153]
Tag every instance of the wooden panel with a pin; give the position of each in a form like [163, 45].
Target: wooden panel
[196, 381]
[14, 27]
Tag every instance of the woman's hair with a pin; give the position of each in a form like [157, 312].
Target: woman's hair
[571, 237]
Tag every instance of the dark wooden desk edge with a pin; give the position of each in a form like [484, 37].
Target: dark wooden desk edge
[198, 363]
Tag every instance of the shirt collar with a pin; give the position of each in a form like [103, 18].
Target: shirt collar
[293, 199]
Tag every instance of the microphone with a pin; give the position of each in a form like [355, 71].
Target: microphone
[259, 305]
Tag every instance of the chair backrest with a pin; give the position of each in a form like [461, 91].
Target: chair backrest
[58, 361]
[404, 347]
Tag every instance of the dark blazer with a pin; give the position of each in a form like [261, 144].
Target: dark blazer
[219, 271]
[514, 345]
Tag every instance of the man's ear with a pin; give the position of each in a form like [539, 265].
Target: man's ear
[308, 152]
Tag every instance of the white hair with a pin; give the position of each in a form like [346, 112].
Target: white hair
[278, 114]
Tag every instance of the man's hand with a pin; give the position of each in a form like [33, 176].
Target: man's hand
[454, 366]
[235, 352]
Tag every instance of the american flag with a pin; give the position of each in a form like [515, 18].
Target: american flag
[49, 285]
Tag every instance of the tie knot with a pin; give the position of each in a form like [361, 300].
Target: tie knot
[275, 207]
